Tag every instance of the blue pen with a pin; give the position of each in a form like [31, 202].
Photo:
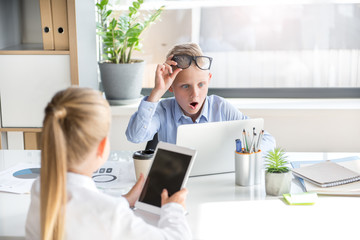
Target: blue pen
[238, 145]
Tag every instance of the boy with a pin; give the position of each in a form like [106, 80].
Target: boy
[186, 73]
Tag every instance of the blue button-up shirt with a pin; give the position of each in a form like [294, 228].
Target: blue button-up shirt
[165, 116]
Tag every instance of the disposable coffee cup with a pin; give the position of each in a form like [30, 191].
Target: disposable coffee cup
[142, 162]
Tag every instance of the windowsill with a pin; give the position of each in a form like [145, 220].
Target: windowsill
[268, 104]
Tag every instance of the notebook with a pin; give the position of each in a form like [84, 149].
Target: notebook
[215, 143]
[327, 174]
[297, 164]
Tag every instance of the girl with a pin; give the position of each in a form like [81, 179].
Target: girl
[65, 203]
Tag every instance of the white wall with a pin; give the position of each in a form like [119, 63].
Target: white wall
[330, 125]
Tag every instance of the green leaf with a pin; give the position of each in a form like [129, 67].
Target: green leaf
[136, 5]
[132, 10]
[133, 40]
[133, 32]
[112, 24]
[106, 14]
[104, 2]
[99, 6]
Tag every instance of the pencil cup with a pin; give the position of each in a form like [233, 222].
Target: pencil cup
[142, 162]
[259, 164]
[248, 168]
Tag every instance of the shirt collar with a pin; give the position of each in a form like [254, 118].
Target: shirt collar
[81, 180]
[204, 111]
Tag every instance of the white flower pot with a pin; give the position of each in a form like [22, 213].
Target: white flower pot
[276, 184]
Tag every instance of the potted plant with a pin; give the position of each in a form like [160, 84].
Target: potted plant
[277, 175]
[122, 76]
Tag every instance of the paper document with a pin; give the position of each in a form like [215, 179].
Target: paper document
[19, 178]
[115, 174]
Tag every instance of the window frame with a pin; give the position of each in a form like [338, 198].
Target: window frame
[276, 92]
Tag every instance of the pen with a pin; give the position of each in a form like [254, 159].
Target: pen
[245, 142]
[238, 145]
[252, 148]
[259, 140]
[252, 143]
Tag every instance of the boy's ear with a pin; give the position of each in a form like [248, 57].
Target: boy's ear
[101, 147]
[210, 76]
[171, 89]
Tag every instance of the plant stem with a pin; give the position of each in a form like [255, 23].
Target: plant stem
[129, 54]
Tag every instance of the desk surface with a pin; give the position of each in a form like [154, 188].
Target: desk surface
[218, 209]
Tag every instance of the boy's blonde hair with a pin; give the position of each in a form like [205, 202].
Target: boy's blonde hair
[191, 49]
[76, 120]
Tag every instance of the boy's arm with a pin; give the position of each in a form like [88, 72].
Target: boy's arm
[144, 123]
[232, 113]
[268, 142]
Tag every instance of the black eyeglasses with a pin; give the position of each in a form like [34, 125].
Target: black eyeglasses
[184, 61]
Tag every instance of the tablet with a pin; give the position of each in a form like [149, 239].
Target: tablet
[170, 169]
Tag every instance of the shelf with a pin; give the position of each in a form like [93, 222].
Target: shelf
[20, 129]
[24, 47]
[21, 138]
[30, 49]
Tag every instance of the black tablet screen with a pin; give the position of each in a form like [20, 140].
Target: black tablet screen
[167, 171]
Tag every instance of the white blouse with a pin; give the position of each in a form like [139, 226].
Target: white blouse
[91, 214]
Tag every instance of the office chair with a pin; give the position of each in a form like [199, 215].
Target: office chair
[151, 145]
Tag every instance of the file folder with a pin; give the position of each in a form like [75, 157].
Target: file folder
[47, 25]
[32, 140]
[60, 23]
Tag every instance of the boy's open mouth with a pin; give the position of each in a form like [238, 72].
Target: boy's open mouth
[193, 104]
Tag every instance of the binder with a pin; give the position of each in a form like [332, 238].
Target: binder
[55, 31]
[32, 140]
[60, 23]
[47, 25]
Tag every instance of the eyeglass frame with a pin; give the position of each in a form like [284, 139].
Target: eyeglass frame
[194, 58]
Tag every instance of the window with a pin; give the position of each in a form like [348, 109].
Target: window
[289, 49]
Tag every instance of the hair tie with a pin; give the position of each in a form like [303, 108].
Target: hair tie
[60, 113]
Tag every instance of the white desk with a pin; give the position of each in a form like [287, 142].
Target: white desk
[218, 209]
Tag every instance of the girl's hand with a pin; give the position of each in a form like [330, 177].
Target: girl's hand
[133, 195]
[178, 197]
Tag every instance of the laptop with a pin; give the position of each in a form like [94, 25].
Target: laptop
[215, 143]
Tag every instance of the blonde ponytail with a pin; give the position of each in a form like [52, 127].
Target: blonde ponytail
[76, 120]
[53, 178]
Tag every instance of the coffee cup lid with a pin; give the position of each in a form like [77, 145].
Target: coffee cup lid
[144, 154]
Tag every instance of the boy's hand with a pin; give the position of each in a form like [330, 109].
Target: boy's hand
[164, 77]
[133, 195]
[178, 197]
